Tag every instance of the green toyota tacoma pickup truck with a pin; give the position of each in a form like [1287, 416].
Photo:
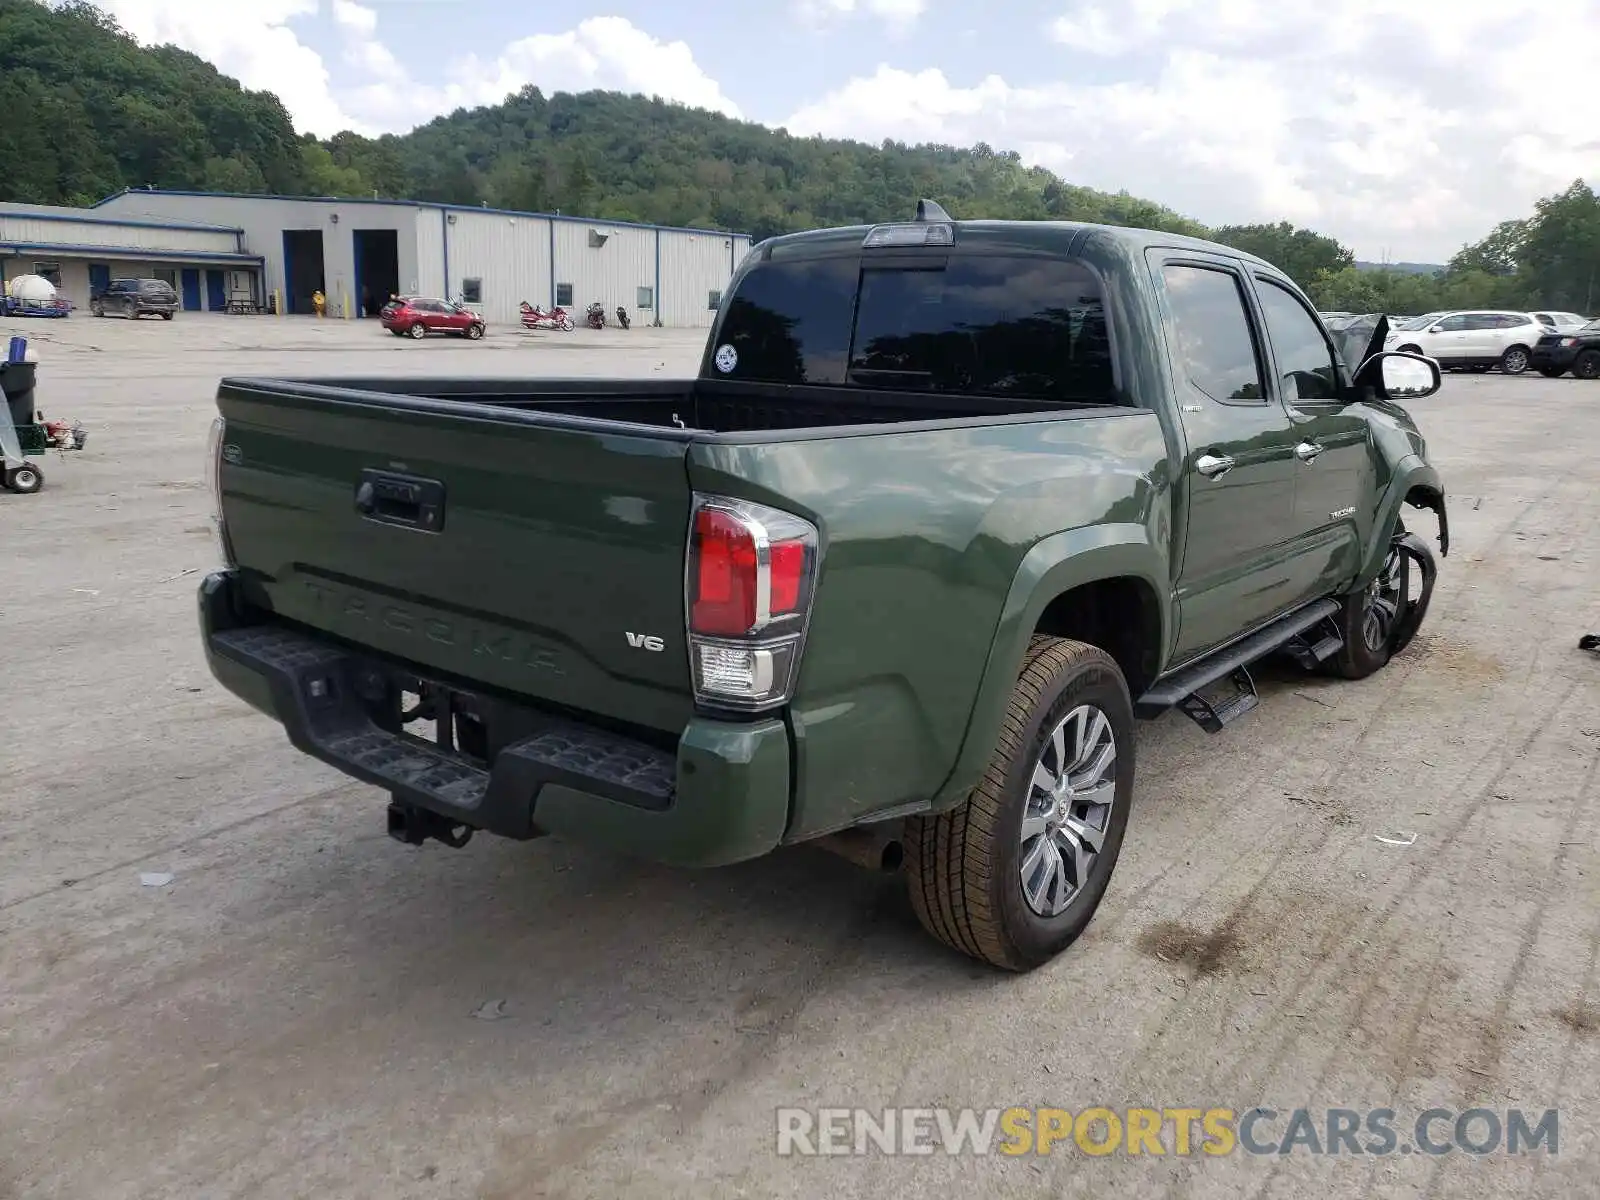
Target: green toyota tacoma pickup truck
[948, 507]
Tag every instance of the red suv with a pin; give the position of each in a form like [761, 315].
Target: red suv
[418, 316]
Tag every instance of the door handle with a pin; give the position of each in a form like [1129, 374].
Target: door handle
[1213, 465]
[1307, 452]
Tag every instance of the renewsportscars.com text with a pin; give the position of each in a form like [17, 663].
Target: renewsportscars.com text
[1099, 1131]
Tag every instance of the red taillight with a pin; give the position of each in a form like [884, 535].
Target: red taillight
[788, 574]
[724, 599]
[750, 575]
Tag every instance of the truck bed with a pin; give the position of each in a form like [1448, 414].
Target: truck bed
[696, 406]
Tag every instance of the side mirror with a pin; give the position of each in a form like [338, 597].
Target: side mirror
[1436, 329]
[1395, 375]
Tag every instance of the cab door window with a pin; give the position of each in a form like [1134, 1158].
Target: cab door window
[1307, 370]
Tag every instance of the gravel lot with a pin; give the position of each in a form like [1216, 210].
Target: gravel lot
[294, 1014]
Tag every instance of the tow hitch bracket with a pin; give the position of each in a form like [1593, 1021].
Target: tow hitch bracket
[414, 826]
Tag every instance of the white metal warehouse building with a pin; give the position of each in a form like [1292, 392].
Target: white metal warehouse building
[359, 252]
[273, 252]
[81, 250]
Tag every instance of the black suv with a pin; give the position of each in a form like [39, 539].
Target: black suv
[135, 298]
[1577, 351]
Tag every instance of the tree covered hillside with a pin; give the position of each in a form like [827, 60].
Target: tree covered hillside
[84, 111]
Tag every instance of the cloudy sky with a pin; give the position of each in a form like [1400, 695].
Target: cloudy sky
[1403, 127]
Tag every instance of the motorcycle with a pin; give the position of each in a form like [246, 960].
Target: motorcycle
[597, 315]
[534, 317]
[622, 317]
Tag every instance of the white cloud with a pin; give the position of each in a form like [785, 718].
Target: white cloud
[899, 15]
[1372, 120]
[357, 18]
[253, 42]
[601, 52]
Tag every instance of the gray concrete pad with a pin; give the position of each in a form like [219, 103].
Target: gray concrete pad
[293, 1014]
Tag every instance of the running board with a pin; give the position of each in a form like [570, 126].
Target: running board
[1181, 689]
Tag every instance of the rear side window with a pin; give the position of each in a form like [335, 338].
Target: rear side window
[1024, 328]
[789, 322]
[1217, 349]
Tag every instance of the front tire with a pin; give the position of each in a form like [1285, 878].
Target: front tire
[1367, 619]
[1514, 361]
[1013, 874]
[25, 480]
[474, 332]
[1410, 349]
[1552, 372]
[166, 316]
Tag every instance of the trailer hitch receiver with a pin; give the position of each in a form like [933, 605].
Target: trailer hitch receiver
[414, 826]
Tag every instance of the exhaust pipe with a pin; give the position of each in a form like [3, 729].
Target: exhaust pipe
[875, 847]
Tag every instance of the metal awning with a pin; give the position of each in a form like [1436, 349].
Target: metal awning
[130, 253]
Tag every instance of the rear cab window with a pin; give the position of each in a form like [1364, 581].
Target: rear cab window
[1006, 326]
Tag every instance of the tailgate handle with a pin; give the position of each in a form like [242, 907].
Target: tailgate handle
[396, 499]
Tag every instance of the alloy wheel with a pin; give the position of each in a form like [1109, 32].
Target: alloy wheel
[1386, 598]
[1070, 794]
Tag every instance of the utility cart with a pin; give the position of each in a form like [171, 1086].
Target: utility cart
[23, 431]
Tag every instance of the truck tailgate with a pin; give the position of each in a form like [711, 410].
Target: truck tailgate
[554, 543]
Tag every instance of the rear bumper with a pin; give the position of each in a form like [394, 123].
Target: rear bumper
[721, 796]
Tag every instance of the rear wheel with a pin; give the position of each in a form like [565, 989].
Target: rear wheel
[417, 331]
[1014, 873]
[26, 479]
[1587, 365]
[1514, 361]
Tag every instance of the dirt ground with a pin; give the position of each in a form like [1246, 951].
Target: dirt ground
[310, 1009]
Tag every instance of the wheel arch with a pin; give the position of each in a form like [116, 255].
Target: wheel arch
[1105, 585]
[1417, 485]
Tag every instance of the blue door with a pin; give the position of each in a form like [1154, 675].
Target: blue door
[216, 291]
[99, 278]
[191, 290]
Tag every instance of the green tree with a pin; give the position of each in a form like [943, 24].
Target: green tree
[1301, 254]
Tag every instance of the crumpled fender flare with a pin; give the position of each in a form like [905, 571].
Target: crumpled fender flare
[1052, 567]
[1414, 482]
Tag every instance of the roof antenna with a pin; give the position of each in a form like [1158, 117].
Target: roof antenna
[929, 210]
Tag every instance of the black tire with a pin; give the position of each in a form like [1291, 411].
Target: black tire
[1410, 349]
[97, 309]
[1552, 372]
[1587, 365]
[417, 332]
[474, 332]
[166, 316]
[1367, 650]
[1514, 361]
[965, 866]
[25, 480]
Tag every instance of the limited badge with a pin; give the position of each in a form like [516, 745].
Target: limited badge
[727, 358]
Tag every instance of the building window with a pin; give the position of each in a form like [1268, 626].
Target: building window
[716, 300]
[472, 291]
[564, 294]
[50, 271]
[646, 298]
[597, 239]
